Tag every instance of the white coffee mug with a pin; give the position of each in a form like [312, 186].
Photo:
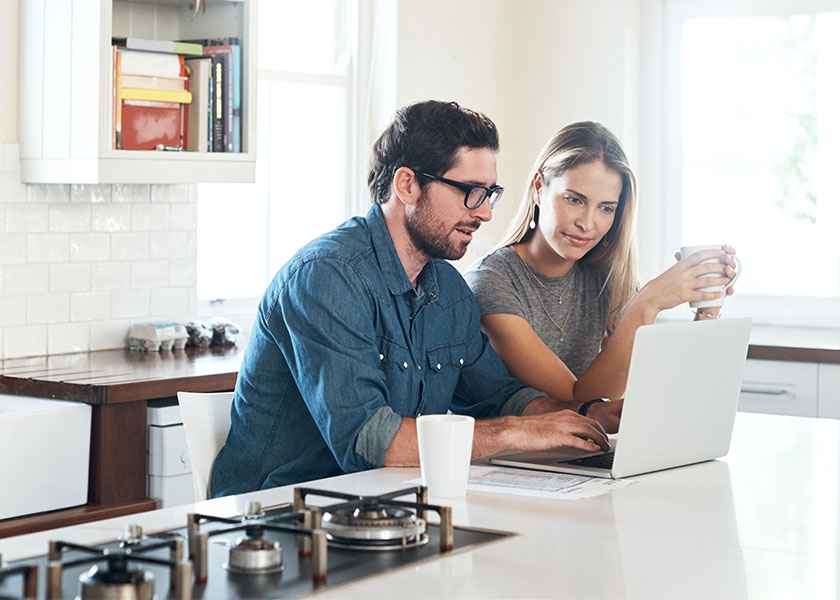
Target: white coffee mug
[687, 251]
[445, 443]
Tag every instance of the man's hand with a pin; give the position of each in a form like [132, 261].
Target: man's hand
[549, 430]
[608, 414]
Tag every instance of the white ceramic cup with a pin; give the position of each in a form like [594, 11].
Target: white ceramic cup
[687, 251]
[445, 443]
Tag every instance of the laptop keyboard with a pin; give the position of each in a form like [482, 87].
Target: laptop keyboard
[601, 461]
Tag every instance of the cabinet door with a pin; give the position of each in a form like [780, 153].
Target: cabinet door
[779, 387]
[829, 391]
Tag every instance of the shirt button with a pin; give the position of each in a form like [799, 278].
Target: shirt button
[381, 357]
[437, 366]
[433, 295]
[405, 365]
[419, 368]
[460, 361]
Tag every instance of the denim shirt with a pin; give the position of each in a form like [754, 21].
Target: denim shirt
[342, 348]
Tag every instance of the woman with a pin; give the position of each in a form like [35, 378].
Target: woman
[559, 297]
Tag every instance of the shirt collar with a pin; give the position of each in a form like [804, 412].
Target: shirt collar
[393, 272]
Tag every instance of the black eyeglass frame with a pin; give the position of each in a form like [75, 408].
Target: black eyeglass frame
[467, 188]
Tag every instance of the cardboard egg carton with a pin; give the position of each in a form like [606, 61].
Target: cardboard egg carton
[155, 337]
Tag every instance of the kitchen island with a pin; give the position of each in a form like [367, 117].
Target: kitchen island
[760, 523]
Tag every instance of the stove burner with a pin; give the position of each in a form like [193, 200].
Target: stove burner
[379, 522]
[117, 582]
[255, 555]
[374, 527]
[252, 553]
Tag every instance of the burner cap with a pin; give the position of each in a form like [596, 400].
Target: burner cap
[106, 584]
[255, 555]
[374, 526]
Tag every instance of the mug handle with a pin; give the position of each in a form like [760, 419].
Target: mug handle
[737, 273]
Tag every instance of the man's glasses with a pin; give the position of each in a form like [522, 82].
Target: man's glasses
[474, 195]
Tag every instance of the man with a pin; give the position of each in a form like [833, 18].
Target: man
[367, 326]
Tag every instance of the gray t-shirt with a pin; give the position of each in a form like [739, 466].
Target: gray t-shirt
[504, 284]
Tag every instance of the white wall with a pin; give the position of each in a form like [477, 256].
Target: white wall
[79, 264]
[532, 67]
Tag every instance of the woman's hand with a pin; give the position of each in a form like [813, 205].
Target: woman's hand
[608, 414]
[679, 283]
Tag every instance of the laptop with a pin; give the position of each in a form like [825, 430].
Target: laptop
[679, 404]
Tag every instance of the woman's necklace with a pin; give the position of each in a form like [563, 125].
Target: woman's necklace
[529, 273]
[531, 276]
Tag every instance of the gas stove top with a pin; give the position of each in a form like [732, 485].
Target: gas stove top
[284, 552]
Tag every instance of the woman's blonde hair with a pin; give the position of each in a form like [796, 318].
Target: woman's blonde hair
[578, 144]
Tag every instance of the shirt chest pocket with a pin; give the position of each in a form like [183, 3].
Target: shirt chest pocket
[445, 363]
[394, 358]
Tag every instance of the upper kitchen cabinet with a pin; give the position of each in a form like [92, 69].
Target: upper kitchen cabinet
[66, 87]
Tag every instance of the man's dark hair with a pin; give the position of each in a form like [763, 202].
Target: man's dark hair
[426, 136]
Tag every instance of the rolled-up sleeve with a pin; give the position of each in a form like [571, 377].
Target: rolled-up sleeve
[376, 435]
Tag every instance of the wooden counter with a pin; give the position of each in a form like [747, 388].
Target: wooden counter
[798, 344]
[117, 383]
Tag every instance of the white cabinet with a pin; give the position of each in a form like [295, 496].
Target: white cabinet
[65, 89]
[829, 394]
[46, 449]
[169, 470]
[780, 387]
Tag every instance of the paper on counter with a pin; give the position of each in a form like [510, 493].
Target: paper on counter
[538, 484]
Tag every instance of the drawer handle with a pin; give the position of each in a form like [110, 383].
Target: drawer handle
[185, 458]
[767, 390]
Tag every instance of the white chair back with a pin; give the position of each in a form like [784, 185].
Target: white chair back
[206, 420]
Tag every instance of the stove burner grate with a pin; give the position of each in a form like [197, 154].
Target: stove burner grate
[118, 579]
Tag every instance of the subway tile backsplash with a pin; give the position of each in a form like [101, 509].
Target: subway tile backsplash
[79, 264]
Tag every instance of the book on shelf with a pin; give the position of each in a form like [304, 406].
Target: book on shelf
[182, 96]
[116, 135]
[222, 125]
[146, 124]
[154, 83]
[147, 45]
[201, 86]
[152, 64]
[231, 93]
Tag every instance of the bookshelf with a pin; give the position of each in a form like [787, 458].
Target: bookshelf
[66, 83]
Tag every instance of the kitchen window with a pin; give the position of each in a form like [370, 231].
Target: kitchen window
[306, 165]
[752, 139]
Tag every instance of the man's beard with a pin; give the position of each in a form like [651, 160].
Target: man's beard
[430, 236]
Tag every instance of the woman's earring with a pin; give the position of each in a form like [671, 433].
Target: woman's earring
[533, 223]
[605, 243]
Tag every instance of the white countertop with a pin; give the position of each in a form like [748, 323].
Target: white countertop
[764, 522]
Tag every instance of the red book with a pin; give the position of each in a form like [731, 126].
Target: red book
[147, 124]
